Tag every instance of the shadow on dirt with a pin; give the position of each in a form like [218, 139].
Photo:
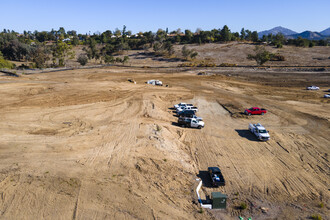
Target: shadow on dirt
[246, 134]
[176, 124]
[205, 177]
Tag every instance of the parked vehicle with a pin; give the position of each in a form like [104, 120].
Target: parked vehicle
[191, 123]
[259, 131]
[216, 176]
[193, 116]
[188, 113]
[312, 88]
[178, 105]
[255, 111]
[182, 105]
[327, 95]
[155, 82]
[193, 108]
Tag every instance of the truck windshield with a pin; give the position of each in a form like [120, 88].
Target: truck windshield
[262, 131]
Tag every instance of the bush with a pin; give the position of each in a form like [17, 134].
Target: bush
[321, 205]
[6, 64]
[261, 55]
[243, 206]
[82, 59]
[228, 65]
[277, 57]
[316, 217]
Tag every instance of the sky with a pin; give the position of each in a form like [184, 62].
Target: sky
[92, 16]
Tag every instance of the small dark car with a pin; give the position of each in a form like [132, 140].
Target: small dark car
[216, 176]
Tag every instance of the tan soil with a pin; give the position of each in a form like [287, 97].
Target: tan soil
[87, 144]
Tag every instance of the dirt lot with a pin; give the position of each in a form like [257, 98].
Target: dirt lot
[87, 144]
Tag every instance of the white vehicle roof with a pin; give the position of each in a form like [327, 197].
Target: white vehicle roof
[259, 126]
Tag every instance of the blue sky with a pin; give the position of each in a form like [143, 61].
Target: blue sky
[144, 15]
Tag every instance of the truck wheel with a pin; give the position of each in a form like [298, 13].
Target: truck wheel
[182, 126]
[262, 113]
[199, 127]
[249, 113]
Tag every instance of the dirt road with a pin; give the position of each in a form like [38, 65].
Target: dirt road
[87, 144]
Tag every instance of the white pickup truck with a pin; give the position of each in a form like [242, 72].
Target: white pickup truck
[190, 123]
[259, 131]
[182, 105]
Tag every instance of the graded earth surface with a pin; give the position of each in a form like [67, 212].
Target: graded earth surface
[88, 144]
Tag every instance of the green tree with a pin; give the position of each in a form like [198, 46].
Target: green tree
[61, 52]
[225, 33]
[261, 55]
[109, 59]
[243, 34]
[254, 36]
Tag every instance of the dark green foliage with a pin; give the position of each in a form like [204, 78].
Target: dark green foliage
[243, 206]
[254, 36]
[109, 59]
[82, 59]
[261, 55]
[225, 33]
[39, 55]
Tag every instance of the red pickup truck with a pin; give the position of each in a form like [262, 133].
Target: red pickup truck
[255, 111]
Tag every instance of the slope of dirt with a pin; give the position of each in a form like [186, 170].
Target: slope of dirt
[87, 144]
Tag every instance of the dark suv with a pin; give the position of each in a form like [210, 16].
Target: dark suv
[216, 176]
[187, 113]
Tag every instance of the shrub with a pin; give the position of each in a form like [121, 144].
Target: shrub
[321, 205]
[228, 65]
[277, 57]
[261, 55]
[5, 63]
[243, 206]
[82, 59]
[316, 217]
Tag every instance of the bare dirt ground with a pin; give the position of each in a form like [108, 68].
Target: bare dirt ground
[87, 144]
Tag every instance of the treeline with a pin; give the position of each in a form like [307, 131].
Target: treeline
[57, 45]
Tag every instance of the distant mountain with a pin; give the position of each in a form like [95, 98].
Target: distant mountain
[277, 30]
[308, 35]
[326, 32]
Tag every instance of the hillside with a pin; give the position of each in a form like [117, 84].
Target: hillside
[326, 32]
[308, 35]
[276, 30]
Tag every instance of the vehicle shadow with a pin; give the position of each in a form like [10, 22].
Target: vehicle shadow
[176, 124]
[205, 177]
[246, 134]
[172, 108]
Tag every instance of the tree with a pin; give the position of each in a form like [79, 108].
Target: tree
[39, 55]
[225, 33]
[261, 55]
[82, 59]
[254, 36]
[243, 34]
[60, 52]
[109, 59]
[125, 60]
[186, 53]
